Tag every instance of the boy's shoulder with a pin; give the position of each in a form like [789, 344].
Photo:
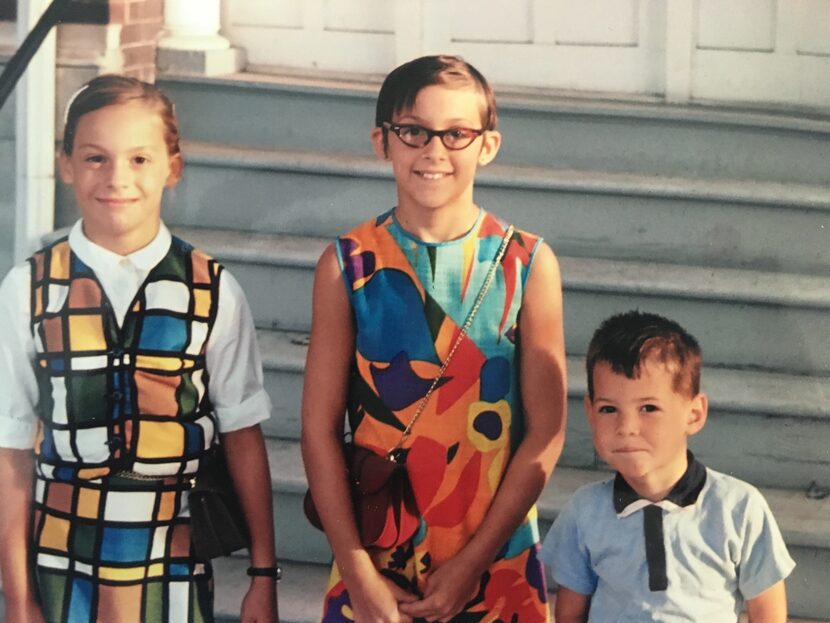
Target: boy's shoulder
[729, 491]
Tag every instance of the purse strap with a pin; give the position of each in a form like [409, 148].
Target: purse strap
[393, 453]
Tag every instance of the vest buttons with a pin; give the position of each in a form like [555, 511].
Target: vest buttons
[115, 443]
[116, 395]
[116, 352]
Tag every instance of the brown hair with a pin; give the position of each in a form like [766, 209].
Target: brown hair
[111, 89]
[627, 340]
[401, 87]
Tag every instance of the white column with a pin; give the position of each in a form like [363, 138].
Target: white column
[34, 138]
[193, 25]
[192, 43]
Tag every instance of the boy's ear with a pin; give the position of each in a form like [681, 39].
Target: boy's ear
[489, 147]
[176, 167]
[379, 145]
[64, 167]
[698, 412]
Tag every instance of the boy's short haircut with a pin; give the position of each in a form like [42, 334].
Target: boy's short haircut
[112, 89]
[625, 341]
[402, 85]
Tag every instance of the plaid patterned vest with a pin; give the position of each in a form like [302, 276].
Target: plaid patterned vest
[133, 397]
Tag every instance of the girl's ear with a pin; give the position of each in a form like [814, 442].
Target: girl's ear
[65, 167]
[176, 166]
[489, 147]
[698, 412]
[379, 144]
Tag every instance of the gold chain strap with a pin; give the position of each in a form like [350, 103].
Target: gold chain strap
[392, 454]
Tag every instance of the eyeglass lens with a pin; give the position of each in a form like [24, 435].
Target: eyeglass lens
[453, 138]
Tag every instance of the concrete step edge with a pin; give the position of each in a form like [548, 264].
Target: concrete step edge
[578, 273]
[525, 177]
[804, 522]
[551, 101]
[743, 391]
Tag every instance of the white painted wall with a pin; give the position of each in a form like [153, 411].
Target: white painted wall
[774, 51]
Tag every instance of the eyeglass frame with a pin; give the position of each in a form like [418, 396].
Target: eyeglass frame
[396, 130]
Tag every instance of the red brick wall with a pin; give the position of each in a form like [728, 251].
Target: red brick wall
[142, 22]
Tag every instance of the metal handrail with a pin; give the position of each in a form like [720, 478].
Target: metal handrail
[18, 63]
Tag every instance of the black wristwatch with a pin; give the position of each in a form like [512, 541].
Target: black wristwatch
[274, 572]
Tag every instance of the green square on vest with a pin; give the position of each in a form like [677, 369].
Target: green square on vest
[87, 398]
[171, 267]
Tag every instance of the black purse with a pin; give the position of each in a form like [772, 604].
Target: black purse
[217, 523]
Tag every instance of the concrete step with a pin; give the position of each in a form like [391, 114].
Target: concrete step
[805, 524]
[539, 128]
[743, 318]
[612, 215]
[752, 405]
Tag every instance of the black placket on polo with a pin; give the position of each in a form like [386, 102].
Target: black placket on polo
[684, 493]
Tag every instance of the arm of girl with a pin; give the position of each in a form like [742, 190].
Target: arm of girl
[240, 403]
[544, 395]
[248, 465]
[325, 389]
[16, 470]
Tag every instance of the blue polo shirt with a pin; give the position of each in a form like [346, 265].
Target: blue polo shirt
[695, 556]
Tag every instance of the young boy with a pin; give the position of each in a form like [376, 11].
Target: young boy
[667, 539]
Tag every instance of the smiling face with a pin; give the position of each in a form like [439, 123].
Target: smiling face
[641, 425]
[119, 168]
[432, 177]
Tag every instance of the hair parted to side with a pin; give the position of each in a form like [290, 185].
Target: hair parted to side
[626, 341]
[111, 89]
[401, 87]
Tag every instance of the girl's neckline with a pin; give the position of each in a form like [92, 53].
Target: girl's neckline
[438, 243]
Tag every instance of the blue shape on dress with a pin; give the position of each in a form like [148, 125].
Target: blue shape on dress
[495, 379]
[397, 385]
[488, 423]
[400, 326]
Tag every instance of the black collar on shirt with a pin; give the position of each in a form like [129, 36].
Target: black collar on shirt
[684, 493]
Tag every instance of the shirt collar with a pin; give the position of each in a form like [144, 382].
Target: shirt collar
[100, 259]
[684, 493]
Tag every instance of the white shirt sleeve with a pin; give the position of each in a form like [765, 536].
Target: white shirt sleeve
[19, 393]
[234, 363]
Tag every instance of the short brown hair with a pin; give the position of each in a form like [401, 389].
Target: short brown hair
[401, 87]
[627, 340]
[112, 89]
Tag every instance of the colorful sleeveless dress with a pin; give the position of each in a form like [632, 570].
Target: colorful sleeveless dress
[409, 300]
[124, 418]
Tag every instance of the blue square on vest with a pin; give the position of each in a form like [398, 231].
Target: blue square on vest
[125, 544]
[164, 333]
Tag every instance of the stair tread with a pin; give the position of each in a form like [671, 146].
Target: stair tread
[803, 521]
[578, 273]
[784, 195]
[728, 389]
[365, 86]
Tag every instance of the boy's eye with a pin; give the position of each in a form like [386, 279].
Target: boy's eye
[141, 159]
[606, 409]
[458, 133]
[413, 131]
[650, 408]
[94, 158]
